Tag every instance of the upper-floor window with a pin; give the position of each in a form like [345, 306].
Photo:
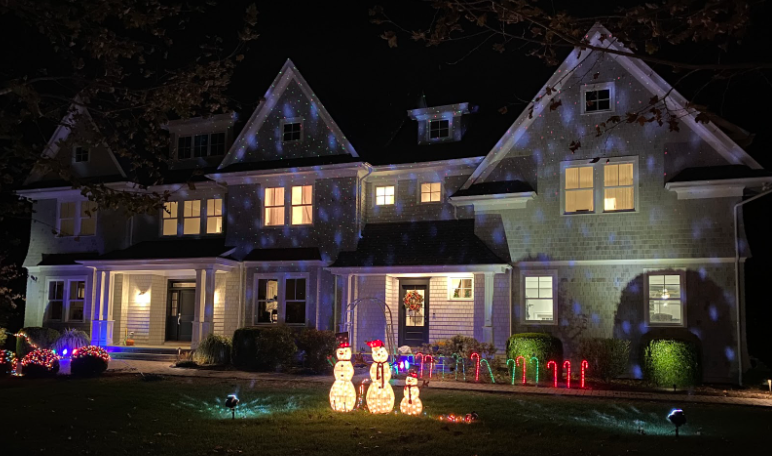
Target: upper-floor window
[384, 195]
[169, 215]
[460, 288]
[214, 216]
[665, 307]
[618, 187]
[292, 130]
[539, 303]
[204, 145]
[188, 218]
[612, 189]
[579, 193]
[439, 128]
[598, 97]
[274, 206]
[191, 217]
[66, 300]
[302, 204]
[80, 154]
[77, 218]
[431, 192]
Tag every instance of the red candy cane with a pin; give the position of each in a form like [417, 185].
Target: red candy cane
[477, 366]
[518, 359]
[555, 366]
[585, 366]
[567, 365]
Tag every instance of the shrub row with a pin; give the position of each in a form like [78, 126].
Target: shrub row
[277, 347]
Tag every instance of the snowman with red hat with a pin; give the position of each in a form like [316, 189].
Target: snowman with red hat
[380, 396]
[343, 395]
[411, 404]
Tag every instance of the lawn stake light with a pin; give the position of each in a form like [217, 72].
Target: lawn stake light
[231, 402]
[678, 418]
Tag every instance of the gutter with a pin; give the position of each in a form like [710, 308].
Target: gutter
[737, 284]
[360, 202]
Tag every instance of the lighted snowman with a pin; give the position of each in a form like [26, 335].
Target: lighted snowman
[343, 395]
[411, 404]
[380, 396]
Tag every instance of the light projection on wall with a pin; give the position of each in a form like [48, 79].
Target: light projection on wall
[343, 395]
[411, 404]
[380, 396]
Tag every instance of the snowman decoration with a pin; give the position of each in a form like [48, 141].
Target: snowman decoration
[380, 396]
[343, 395]
[411, 404]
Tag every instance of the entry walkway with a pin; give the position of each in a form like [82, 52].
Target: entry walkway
[164, 368]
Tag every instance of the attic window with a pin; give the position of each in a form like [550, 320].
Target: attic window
[439, 129]
[598, 97]
[80, 155]
[292, 131]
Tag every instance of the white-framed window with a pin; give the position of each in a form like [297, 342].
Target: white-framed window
[169, 218]
[597, 98]
[203, 145]
[599, 186]
[665, 298]
[431, 192]
[302, 204]
[461, 288]
[80, 154]
[274, 206]
[281, 298]
[439, 129]
[384, 195]
[191, 217]
[539, 297]
[579, 189]
[292, 130]
[214, 216]
[66, 300]
[618, 187]
[77, 218]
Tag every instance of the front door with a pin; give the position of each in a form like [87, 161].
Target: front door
[180, 311]
[414, 323]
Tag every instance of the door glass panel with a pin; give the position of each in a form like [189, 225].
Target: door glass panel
[416, 317]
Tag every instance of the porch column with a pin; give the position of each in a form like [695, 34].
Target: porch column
[488, 315]
[203, 315]
[102, 322]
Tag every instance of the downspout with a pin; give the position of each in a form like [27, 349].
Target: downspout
[360, 202]
[335, 304]
[737, 284]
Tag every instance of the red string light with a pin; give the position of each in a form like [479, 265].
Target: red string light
[568, 373]
[420, 355]
[476, 366]
[585, 366]
[431, 364]
[516, 361]
[40, 357]
[555, 366]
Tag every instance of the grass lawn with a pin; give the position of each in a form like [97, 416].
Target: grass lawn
[117, 415]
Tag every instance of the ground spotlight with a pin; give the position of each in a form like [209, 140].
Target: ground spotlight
[678, 418]
[231, 403]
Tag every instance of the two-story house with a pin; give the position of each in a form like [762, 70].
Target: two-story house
[498, 226]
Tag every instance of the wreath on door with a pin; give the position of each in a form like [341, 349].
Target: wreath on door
[413, 301]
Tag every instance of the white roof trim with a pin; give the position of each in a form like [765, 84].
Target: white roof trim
[439, 112]
[627, 261]
[429, 270]
[163, 263]
[711, 134]
[494, 202]
[272, 95]
[323, 171]
[719, 188]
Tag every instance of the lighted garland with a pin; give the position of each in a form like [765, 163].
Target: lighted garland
[7, 362]
[91, 351]
[40, 361]
[89, 360]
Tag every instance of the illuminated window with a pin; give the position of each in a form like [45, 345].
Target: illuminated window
[66, 300]
[579, 189]
[67, 218]
[81, 155]
[460, 288]
[185, 148]
[598, 97]
[439, 129]
[539, 302]
[384, 195]
[665, 300]
[274, 206]
[302, 205]
[88, 218]
[292, 131]
[430, 192]
[618, 187]
[214, 216]
[169, 216]
[267, 302]
[295, 301]
[280, 299]
[191, 217]
[77, 218]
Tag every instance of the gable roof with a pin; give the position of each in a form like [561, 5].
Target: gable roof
[644, 74]
[287, 74]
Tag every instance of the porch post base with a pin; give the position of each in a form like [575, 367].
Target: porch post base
[102, 332]
[487, 333]
[201, 329]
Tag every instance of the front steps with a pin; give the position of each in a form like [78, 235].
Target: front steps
[165, 353]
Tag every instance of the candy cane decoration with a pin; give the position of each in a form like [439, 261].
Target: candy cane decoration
[463, 366]
[510, 360]
[431, 363]
[421, 375]
[537, 369]
[476, 366]
[555, 365]
[490, 371]
[585, 366]
[516, 363]
[442, 363]
[567, 365]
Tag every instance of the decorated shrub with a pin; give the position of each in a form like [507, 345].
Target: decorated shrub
[543, 346]
[69, 340]
[263, 348]
[89, 360]
[7, 361]
[317, 346]
[40, 363]
[672, 362]
[213, 349]
[608, 358]
[42, 337]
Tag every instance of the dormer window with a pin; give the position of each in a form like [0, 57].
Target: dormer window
[80, 155]
[292, 130]
[598, 98]
[439, 129]
[198, 146]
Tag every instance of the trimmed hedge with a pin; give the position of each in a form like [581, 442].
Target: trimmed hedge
[213, 350]
[608, 358]
[543, 346]
[42, 337]
[672, 362]
[263, 348]
[317, 346]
